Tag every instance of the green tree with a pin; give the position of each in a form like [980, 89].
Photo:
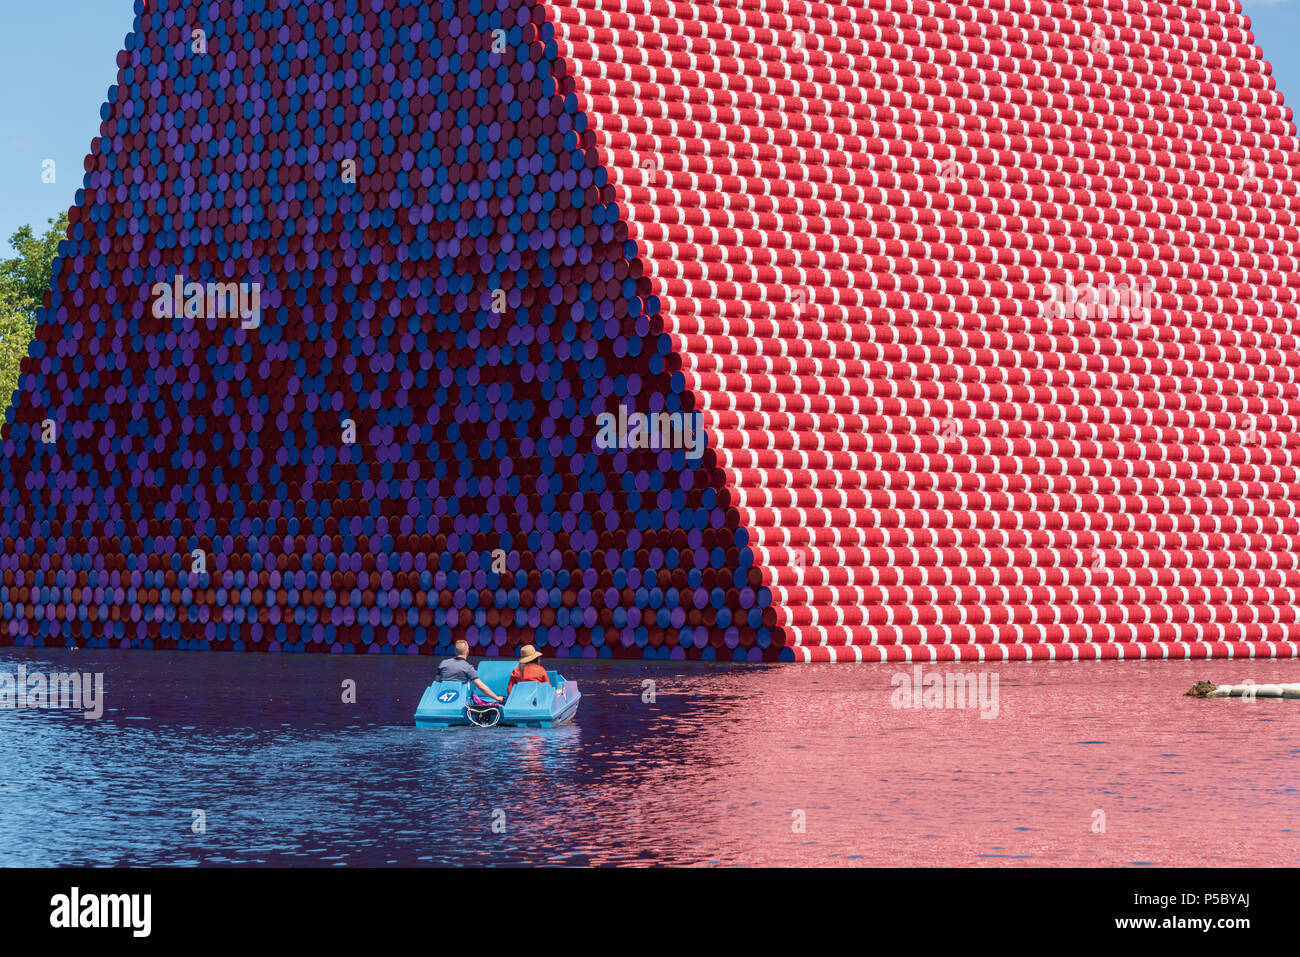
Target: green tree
[24, 280]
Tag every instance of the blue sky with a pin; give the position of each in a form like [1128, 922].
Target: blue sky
[58, 59]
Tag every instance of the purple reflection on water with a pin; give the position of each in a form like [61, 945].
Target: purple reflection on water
[791, 765]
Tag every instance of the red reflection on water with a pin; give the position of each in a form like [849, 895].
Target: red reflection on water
[1084, 764]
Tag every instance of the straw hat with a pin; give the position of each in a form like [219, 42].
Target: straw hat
[528, 653]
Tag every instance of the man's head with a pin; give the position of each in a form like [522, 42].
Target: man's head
[462, 648]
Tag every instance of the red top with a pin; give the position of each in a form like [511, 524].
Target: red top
[528, 672]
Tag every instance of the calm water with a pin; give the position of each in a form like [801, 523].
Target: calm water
[721, 768]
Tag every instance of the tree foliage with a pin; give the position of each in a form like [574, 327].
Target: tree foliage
[24, 280]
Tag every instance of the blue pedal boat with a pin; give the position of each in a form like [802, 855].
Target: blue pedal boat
[531, 704]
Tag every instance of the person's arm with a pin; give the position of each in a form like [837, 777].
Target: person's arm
[488, 691]
[510, 685]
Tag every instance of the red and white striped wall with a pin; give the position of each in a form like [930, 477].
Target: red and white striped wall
[991, 310]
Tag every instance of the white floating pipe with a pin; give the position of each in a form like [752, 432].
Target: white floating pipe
[1256, 691]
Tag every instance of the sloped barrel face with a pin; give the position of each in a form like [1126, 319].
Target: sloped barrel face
[348, 350]
[990, 310]
[759, 330]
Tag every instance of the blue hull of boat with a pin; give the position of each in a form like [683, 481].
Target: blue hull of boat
[532, 704]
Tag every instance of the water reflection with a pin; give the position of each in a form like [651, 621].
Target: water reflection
[807, 765]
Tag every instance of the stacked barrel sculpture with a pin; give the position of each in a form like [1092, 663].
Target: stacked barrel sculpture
[745, 330]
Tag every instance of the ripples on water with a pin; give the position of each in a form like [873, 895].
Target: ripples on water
[717, 770]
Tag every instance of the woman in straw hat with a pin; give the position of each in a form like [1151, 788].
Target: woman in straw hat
[529, 669]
